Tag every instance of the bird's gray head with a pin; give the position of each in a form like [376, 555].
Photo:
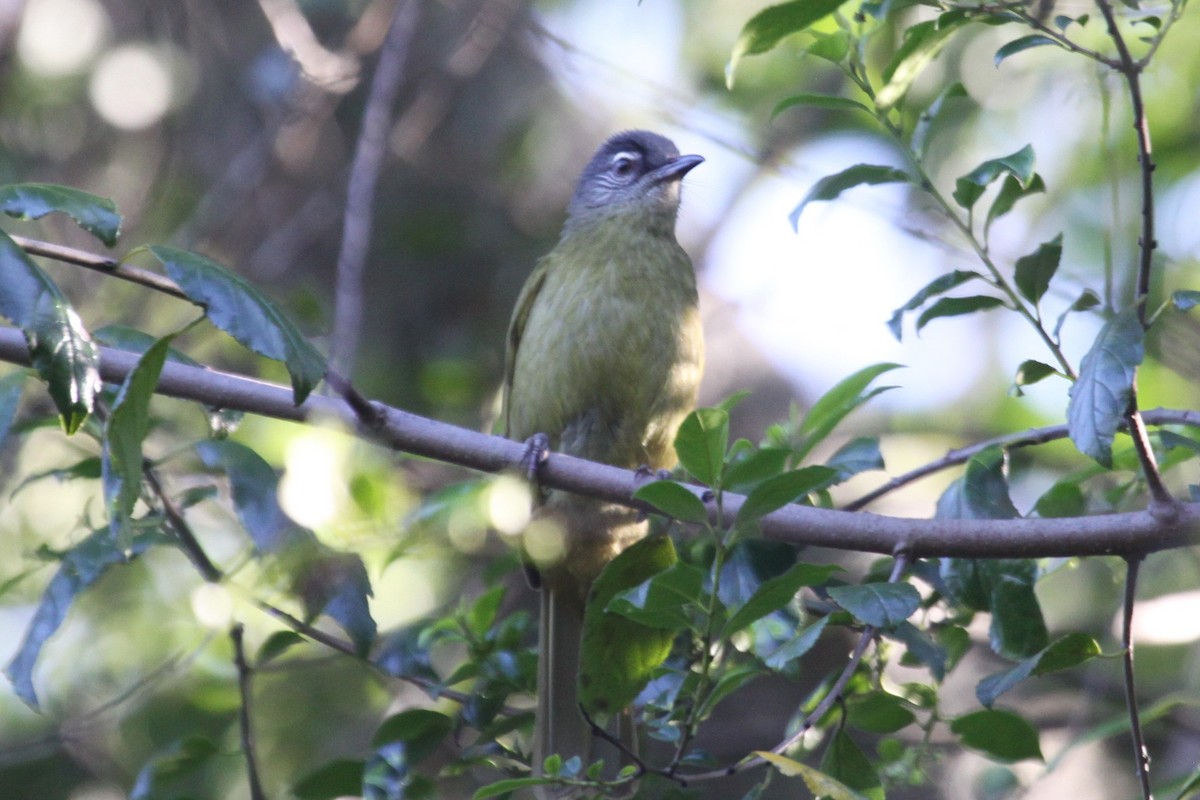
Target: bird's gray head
[636, 171]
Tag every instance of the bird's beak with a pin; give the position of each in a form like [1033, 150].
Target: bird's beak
[676, 168]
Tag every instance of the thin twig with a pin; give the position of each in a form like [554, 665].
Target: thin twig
[92, 261]
[1141, 755]
[364, 174]
[182, 530]
[236, 633]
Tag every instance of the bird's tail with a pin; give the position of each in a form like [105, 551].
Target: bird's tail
[559, 727]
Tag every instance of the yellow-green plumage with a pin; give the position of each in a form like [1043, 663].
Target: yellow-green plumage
[604, 356]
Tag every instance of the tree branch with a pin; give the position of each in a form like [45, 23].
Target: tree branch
[1141, 756]
[236, 633]
[1132, 533]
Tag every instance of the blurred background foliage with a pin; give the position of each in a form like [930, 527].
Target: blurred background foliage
[227, 127]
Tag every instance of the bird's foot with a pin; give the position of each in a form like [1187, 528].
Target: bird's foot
[537, 451]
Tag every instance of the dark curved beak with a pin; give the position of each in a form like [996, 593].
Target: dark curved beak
[676, 168]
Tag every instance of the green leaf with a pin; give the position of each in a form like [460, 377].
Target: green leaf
[922, 43]
[982, 491]
[849, 393]
[1018, 628]
[1035, 270]
[80, 568]
[96, 215]
[748, 563]
[1063, 499]
[776, 593]
[420, 729]
[770, 26]
[255, 489]
[673, 499]
[665, 601]
[957, 307]
[797, 646]
[1101, 394]
[781, 490]
[844, 761]
[939, 285]
[878, 712]
[507, 787]
[1000, 735]
[60, 349]
[123, 337]
[701, 442]
[339, 778]
[1030, 372]
[11, 387]
[817, 782]
[921, 649]
[930, 116]
[483, 611]
[830, 101]
[881, 605]
[1087, 299]
[124, 431]
[1011, 191]
[831, 186]
[1064, 653]
[727, 684]
[746, 471]
[235, 306]
[276, 645]
[1021, 45]
[858, 455]
[832, 47]
[169, 771]
[618, 656]
[1185, 299]
[969, 187]
[336, 584]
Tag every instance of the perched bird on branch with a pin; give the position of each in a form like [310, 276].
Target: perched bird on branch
[604, 358]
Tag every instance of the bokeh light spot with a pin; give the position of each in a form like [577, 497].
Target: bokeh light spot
[132, 87]
[49, 46]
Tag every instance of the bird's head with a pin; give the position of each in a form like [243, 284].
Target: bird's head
[634, 172]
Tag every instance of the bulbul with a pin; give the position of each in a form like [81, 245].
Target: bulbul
[604, 357]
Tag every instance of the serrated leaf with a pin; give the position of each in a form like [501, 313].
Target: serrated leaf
[922, 43]
[1034, 271]
[830, 101]
[1021, 45]
[96, 215]
[701, 442]
[880, 605]
[1012, 191]
[970, 187]
[770, 26]
[797, 646]
[833, 406]
[124, 431]
[1101, 394]
[957, 307]
[237, 307]
[673, 499]
[781, 490]
[80, 567]
[60, 348]
[831, 186]
[618, 656]
[820, 784]
[777, 592]
[11, 387]
[939, 285]
[1001, 735]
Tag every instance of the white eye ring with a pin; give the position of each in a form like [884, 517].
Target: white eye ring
[623, 163]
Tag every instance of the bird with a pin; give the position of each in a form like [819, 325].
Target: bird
[604, 358]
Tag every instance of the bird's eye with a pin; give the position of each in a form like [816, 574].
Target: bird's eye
[623, 164]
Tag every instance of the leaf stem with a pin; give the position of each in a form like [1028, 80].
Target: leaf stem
[236, 634]
[1141, 756]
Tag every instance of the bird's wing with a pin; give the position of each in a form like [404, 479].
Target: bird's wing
[516, 329]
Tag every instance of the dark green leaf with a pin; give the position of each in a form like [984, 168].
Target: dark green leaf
[773, 24]
[831, 47]
[1001, 735]
[1063, 653]
[1034, 271]
[817, 101]
[666, 601]
[387, 774]
[1063, 499]
[957, 307]
[747, 471]
[420, 729]
[1087, 299]
[276, 645]
[982, 491]
[727, 684]
[845, 762]
[673, 499]
[1018, 629]
[939, 285]
[123, 337]
[336, 584]
[124, 431]
[169, 771]
[96, 215]
[1030, 372]
[1012, 190]
[1101, 394]
[507, 787]
[922, 43]
[777, 492]
[483, 611]
[1021, 45]
[881, 605]
[776, 593]
[878, 712]
[855, 456]
[81, 566]
[831, 186]
[255, 489]
[1185, 299]
[339, 778]
[920, 649]
[235, 306]
[930, 116]
[797, 646]
[748, 564]
[969, 187]
[11, 386]
[834, 405]
[618, 656]
[60, 349]
[701, 443]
